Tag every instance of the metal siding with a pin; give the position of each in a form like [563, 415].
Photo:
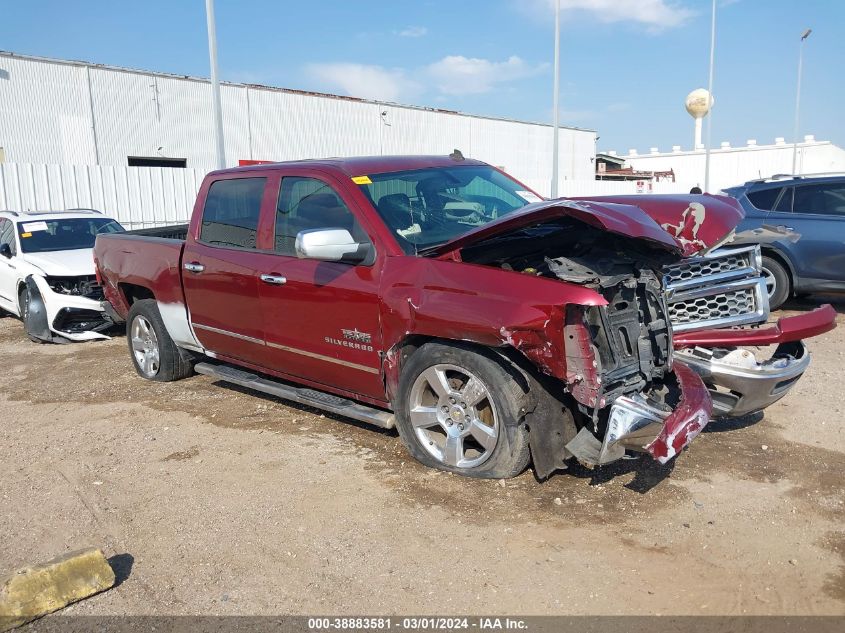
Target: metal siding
[408, 131]
[45, 114]
[288, 126]
[137, 197]
[132, 118]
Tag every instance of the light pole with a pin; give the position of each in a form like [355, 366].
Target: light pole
[556, 101]
[710, 100]
[804, 36]
[215, 85]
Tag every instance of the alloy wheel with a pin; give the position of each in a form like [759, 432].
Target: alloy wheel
[453, 416]
[145, 346]
[771, 282]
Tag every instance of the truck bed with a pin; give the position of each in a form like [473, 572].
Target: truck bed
[125, 260]
[172, 231]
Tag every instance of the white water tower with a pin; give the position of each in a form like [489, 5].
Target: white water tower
[698, 104]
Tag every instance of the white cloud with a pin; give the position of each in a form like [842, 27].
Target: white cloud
[366, 81]
[655, 14]
[451, 75]
[459, 75]
[413, 31]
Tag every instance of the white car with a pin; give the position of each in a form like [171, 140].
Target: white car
[47, 273]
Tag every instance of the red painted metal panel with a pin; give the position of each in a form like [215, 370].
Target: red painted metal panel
[786, 330]
[687, 420]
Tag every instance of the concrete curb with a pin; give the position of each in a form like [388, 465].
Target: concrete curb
[34, 591]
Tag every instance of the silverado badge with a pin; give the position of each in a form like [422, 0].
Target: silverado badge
[355, 335]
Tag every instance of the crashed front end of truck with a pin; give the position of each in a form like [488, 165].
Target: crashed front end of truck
[659, 351]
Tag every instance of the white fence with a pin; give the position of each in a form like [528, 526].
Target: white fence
[140, 197]
[576, 188]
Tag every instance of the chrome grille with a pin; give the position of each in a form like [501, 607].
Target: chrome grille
[705, 266]
[729, 304]
[721, 289]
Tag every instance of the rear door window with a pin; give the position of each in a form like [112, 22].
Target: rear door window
[823, 199]
[765, 199]
[785, 203]
[232, 211]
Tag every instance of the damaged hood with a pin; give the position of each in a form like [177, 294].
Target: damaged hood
[613, 216]
[72, 263]
[695, 222]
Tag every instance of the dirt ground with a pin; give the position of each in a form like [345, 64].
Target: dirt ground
[213, 500]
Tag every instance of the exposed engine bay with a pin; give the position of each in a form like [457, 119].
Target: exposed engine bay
[631, 337]
[81, 286]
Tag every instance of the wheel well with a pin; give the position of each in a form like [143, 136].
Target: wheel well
[134, 293]
[21, 287]
[778, 257]
[517, 364]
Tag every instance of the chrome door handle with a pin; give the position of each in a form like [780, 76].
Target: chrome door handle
[276, 280]
[194, 267]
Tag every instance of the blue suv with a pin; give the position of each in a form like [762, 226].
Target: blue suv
[814, 209]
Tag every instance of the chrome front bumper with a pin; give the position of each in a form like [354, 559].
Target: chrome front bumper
[635, 424]
[740, 384]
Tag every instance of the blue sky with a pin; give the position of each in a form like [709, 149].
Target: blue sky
[626, 64]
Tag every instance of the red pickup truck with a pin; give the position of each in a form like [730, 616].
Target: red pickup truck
[443, 297]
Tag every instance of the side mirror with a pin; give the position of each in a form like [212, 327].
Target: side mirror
[6, 251]
[331, 245]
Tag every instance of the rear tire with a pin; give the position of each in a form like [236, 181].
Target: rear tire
[461, 411]
[778, 284]
[154, 354]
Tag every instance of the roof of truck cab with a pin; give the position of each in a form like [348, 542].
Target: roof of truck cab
[362, 165]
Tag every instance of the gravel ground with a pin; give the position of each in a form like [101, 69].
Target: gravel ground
[214, 500]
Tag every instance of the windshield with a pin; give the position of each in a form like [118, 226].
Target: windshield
[44, 236]
[428, 207]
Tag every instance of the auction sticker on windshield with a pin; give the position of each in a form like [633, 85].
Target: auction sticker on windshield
[528, 196]
[29, 227]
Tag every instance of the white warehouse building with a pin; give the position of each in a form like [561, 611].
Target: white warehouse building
[78, 113]
[730, 166]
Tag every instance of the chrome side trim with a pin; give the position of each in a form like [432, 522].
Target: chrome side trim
[328, 359]
[216, 330]
[292, 350]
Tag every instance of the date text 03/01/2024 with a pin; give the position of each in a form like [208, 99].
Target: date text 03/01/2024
[428, 623]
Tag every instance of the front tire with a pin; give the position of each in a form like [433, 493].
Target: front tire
[28, 318]
[154, 354]
[461, 410]
[778, 285]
